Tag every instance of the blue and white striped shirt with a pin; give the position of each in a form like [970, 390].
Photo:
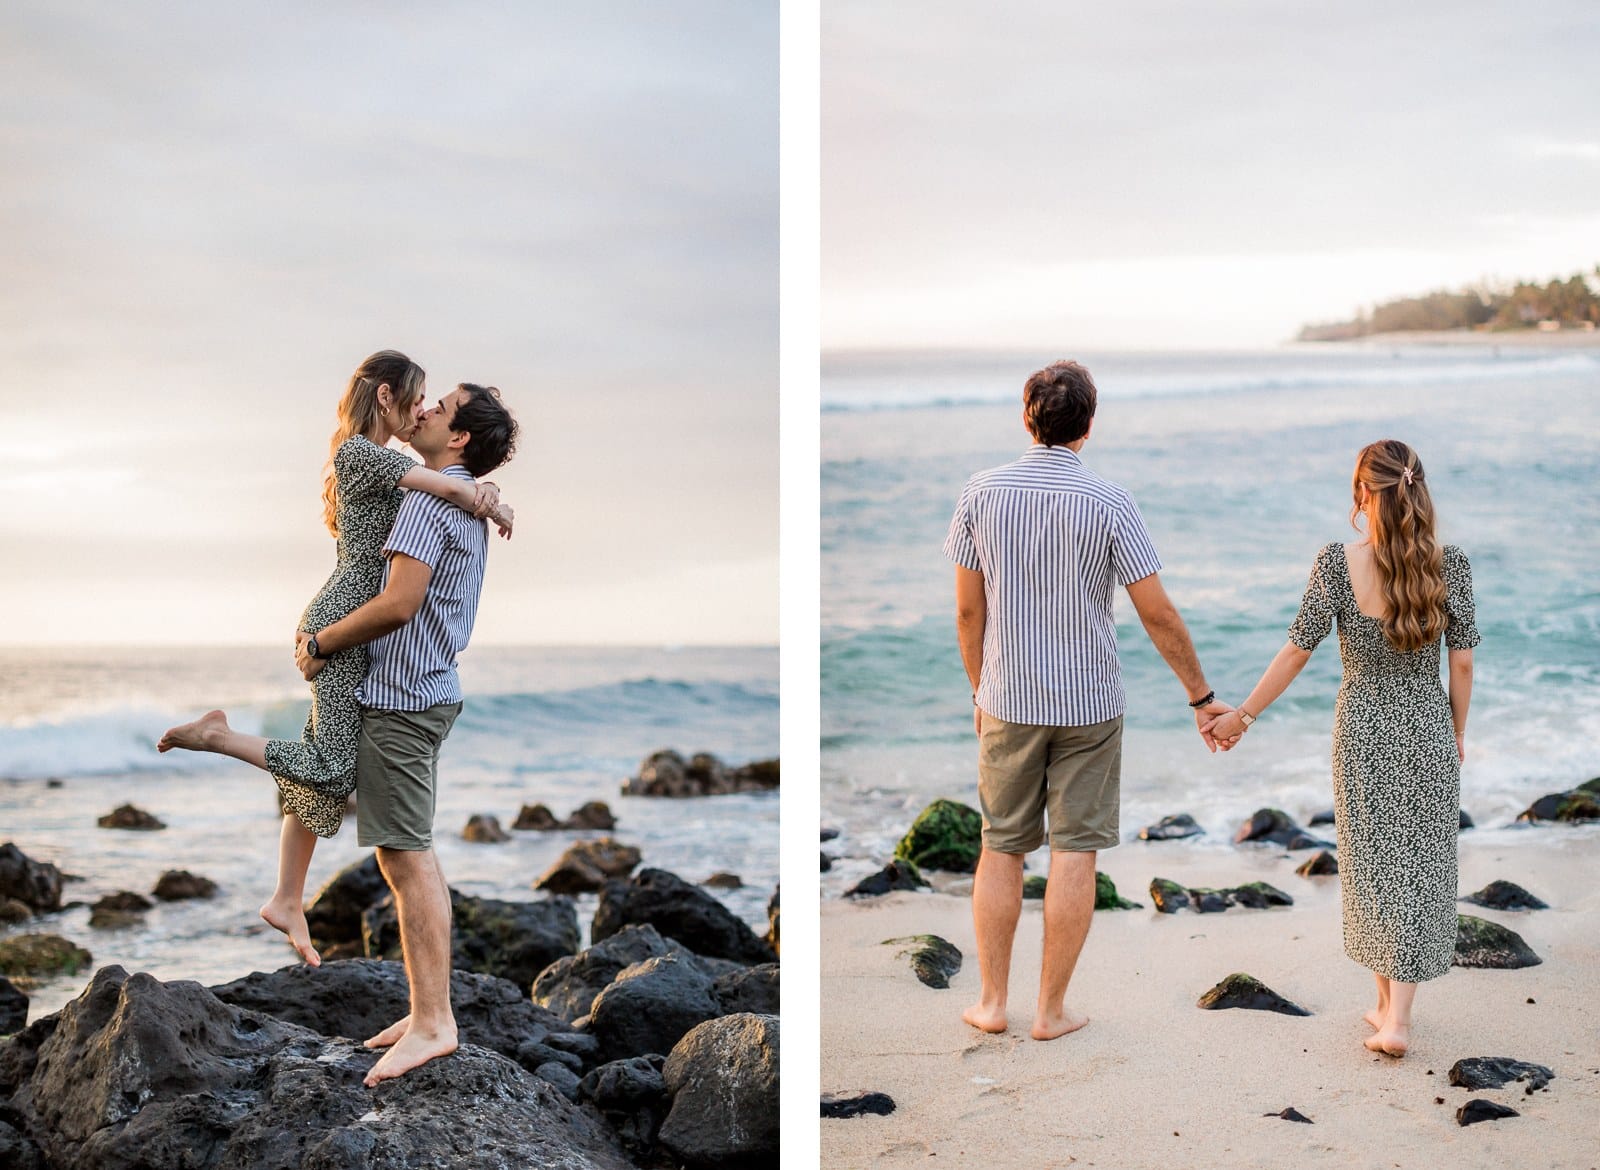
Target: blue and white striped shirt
[1051, 539]
[414, 667]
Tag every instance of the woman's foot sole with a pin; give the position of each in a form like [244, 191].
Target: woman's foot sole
[291, 920]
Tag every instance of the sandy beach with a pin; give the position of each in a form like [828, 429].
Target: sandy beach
[1153, 1081]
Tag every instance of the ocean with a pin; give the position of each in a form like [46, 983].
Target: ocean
[559, 726]
[1240, 463]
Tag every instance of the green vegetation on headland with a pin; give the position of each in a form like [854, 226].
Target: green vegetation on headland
[1573, 303]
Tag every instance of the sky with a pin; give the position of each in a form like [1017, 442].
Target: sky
[210, 214]
[1166, 175]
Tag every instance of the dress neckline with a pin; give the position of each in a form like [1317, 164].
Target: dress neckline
[1350, 585]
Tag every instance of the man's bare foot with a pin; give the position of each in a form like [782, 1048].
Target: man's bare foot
[1375, 1018]
[205, 734]
[1053, 1024]
[391, 1034]
[985, 1018]
[412, 1050]
[1391, 1041]
[290, 917]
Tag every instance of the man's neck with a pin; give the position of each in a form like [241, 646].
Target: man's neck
[441, 461]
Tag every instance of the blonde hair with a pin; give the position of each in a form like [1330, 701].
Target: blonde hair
[358, 412]
[1408, 558]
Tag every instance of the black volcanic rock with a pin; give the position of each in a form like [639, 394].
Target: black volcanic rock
[586, 866]
[857, 1104]
[1580, 804]
[13, 1008]
[649, 1007]
[126, 816]
[1320, 864]
[36, 884]
[177, 885]
[1170, 897]
[723, 1081]
[1503, 895]
[138, 1074]
[751, 989]
[1481, 943]
[632, 1096]
[1291, 1114]
[897, 875]
[1479, 1109]
[1245, 991]
[1493, 1072]
[514, 940]
[484, 828]
[678, 910]
[568, 986]
[334, 914]
[1278, 827]
[1172, 828]
[933, 959]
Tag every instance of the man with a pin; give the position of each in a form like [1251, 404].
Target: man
[1038, 546]
[411, 697]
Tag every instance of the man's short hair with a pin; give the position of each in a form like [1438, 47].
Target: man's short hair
[1058, 403]
[493, 430]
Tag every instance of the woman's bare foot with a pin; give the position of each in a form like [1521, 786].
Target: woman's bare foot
[1375, 1018]
[1389, 1040]
[985, 1017]
[290, 917]
[205, 734]
[1053, 1024]
[414, 1049]
[391, 1034]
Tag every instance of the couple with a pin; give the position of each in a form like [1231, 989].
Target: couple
[378, 643]
[1039, 545]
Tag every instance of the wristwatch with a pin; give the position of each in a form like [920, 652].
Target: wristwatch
[312, 648]
[1245, 717]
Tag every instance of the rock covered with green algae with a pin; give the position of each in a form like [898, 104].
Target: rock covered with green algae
[1170, 897]
[1107, 898]
[41, 955]
[1481, 943]
[946, 835]
[933, 959]
[1246, 991]
[1580, 804]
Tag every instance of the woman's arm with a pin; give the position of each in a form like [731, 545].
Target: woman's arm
[1460, 696]
[1288, 664]
[481, 499]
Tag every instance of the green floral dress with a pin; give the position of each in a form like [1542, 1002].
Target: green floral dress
[317, 772]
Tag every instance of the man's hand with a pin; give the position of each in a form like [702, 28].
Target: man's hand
[1225, 729]
[1206, 718]
[977, 720]
[308, 666]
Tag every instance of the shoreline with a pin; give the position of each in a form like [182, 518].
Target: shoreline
[1152, 1081]
[1515, 339]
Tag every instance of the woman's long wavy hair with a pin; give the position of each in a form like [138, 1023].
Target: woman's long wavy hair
[359, 410]
[1409, 559]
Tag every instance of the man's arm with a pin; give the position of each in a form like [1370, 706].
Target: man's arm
[398, 603]
[972, 614]
[1171, 639]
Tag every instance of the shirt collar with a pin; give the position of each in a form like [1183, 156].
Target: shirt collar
[1040, 451]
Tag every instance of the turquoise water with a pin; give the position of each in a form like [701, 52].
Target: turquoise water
[1241, 465]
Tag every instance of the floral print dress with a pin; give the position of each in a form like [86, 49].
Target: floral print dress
[317, 772]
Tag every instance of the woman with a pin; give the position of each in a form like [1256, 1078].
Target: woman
[1397, 741]
[361, 496]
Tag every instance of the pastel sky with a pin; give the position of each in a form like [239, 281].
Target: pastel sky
[209, 214]
[1164, 175]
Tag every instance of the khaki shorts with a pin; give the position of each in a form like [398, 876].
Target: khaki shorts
[1075, 773]
[397, 774]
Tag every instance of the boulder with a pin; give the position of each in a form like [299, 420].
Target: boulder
[724, 881]
[827, 864]
[1580, 804]
[593, 816]
[1168, 895]
[1502, 895]
[897, 875]
[857, 1104]
[137, 1073]
[585, 866]
[485, 830]
[568, 986]
[771, 937]
[1257, 896]
[1278, 827]
[1173, 828]
[1321, 864]
[1034, 887]
[681, 911]
[723, 1081]
[749, 989]
[124, 908]
[36, 884]
[756, 776]
[537, 817]
[1106, 896]
[1481, 943]
[13, 1007]
[1494, 1072]
[1465, 822]
[334, 914]
[358, 998]
[1326, 817]
[179, 884]
[667, 773]
[514, 940]
[1245, 991]
[649, 1007]
[828, 834]
[946, 835]
[632, 1096]
[13, 911]
[41, 955]
[126, 816]
[933, 959]
[1480, 1109]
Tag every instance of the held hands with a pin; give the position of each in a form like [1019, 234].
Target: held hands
[1206, 719]
[1225, 728]
[308, 666]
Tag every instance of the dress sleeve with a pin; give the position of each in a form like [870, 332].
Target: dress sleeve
[1462, 631]
[360, 467]
[1317, 607]
[958, 543]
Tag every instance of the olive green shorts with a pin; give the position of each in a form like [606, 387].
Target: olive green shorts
[1074, 773]
[397, 775]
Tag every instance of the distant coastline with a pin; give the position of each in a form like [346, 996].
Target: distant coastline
[1474, 338]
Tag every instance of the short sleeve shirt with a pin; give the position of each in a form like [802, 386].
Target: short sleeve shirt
[1052, 540]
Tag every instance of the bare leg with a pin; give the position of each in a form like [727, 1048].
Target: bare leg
[1394, 1037]
[394, 1031]
[286, 910]
[1375, 1016]
[211, 733]
[996, 905]
[1068, 911]
[424, 911]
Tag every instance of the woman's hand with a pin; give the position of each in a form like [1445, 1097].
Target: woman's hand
[503, 518]
[1225, 729]
[485, 499]
[1461, 747]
